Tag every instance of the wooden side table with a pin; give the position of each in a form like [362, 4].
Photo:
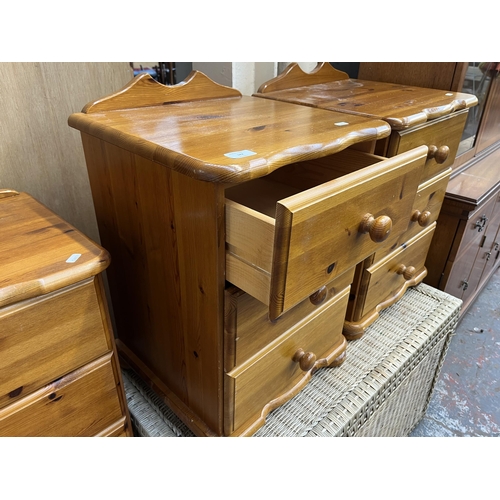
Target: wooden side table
[235, 225]
[59, 373]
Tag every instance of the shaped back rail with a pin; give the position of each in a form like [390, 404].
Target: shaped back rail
[144, 91]
[5, 193]
[293, 76]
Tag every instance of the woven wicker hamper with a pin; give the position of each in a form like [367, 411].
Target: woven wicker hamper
[382, 389]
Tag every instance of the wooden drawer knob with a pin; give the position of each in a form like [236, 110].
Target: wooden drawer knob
[319, 296]
[407, 272]
[305, 360]
[439, 154]
[378, 228]
[423, 218]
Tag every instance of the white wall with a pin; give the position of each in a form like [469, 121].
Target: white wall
[247, 77]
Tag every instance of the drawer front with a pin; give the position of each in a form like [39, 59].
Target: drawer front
[270, 378]
[323, 231]
[425, 211]
[391, 275]
[464, 273]
[117, 429]
[477, 227]
[83, 403]
[247, 329]
[47, 337]
[444, 132]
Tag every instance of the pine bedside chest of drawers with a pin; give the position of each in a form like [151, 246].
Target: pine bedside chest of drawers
[235, 225]
[59, 373]
[417, 117]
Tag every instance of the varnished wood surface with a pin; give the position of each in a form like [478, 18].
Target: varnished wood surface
[35, 247]
[426, 209]
[82, 403]
[444, 132]
[293, 76]
[354, 330]
[473, 185]
[383, 278]
[402, 106]
[165, 232]
[249, 384]
[145, 91]
[47, 337]
[247, 326]
[317, 231]
[432, 75]
[194, 137]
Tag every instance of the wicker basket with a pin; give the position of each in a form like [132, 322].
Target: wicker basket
[382, 389]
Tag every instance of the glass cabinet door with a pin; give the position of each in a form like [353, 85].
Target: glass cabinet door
[478, 80]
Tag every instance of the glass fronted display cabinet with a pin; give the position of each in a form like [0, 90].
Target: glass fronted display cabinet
[482, 126]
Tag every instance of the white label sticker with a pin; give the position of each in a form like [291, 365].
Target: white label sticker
[449, 93]
[341, 124]
[240, 154]
[74, 258]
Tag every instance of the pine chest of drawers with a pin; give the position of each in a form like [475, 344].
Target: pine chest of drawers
[58, 368]
[418, 117]
[236, 225]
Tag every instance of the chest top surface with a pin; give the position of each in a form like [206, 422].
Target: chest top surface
[215, 134]
[402, 106]
[40, 252]
[477, 182]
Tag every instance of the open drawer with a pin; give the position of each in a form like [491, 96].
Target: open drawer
[293, 231]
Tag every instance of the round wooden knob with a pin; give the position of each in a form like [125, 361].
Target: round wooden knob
[378, 228]
[319, 296]
[305, 360]
[407, 272]
[423, 218]
[439, 154]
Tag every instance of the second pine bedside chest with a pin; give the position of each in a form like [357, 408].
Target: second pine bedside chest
[417, 117]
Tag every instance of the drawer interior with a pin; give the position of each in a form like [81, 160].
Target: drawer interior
[293, 231]
[263, 194]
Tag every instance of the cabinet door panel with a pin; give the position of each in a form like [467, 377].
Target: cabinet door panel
[490, 126]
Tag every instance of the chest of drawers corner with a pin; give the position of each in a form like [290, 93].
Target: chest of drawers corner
[417, 117]
[237, 226]
[59, 374]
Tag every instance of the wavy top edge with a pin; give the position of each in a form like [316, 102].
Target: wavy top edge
[143, 91]
[294, 76]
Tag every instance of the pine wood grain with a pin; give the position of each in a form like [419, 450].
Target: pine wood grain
[79, 404]
[54, 327]
[294, 76]
[35, 248]
[402, 106]
[384, 278]
[319, 227]
[319, 334]
[446, 131]
[247, 326]
[193, 138]
[166, 234]
[45, 338]
[144, 91]
[433, 75]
